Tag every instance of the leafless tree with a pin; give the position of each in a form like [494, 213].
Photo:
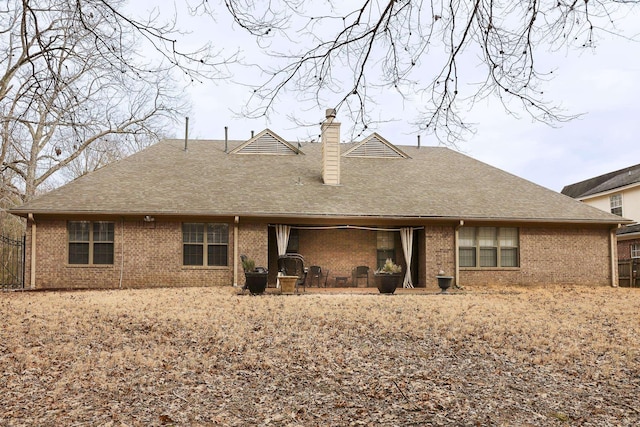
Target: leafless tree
[446, 54]
[74, 83]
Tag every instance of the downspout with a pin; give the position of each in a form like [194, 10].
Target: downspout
[235, 251]
[122, 253]
[32, 280]
[613, 251]
[457, 255]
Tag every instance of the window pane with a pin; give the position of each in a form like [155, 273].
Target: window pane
[509, 237]
[217, 233]
[509, 257]
[383, 255]
[217, 255]
[467, 236]
[293, 247]
[615, 200]
[78, 231]
[103, 253]
[78, 253]
[616, 204]
[385, 240]
[192, 255]
[103, 232]
[488, 257]
[487, 236]
[635, 250]
[467, 257]
[192, 233]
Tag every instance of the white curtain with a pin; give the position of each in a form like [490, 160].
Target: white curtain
[406, 235]
[282, 236]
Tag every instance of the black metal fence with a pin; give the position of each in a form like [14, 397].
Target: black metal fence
[628, 273]
[12, 253]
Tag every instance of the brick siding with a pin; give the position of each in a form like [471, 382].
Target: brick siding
[150, 254]
[624, 248]
[550, 256]
[145, 255]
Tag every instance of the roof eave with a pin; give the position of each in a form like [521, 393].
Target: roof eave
[288, 216]
[607, 192]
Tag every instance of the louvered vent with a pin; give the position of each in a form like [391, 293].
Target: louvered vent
[374, 146]
[266, 143]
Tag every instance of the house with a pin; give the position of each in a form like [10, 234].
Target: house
[180, 213]
[617, 192]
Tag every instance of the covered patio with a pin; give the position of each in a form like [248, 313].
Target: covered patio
[341, 250]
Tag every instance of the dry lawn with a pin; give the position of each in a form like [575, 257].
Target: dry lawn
[567, 356]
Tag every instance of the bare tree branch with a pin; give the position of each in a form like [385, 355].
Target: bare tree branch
[73, 80]
[446, 54]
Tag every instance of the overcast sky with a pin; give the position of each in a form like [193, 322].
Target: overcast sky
[603, 85]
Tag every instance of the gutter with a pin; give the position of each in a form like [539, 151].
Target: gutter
[284, 215]
[236, 220]
[457, 254]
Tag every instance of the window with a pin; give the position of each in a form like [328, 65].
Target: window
[90, 242]
[635, 250]
[467, 243]
[293, 246]
[615, 201]
[386, 247]
[199, 239]
[488, 247]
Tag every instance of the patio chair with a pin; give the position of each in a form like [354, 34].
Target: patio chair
[361, 272]
[316, 274]
[293, 265]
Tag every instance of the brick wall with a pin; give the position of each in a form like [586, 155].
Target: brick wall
[440, 254]
[253, 241]
[550, 256]
[624, 248]
[150, 254]
[339, 250]
[145, 255]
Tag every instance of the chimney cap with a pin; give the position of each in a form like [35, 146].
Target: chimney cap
[330, 113]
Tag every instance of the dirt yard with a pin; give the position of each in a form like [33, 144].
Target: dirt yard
[498, 357]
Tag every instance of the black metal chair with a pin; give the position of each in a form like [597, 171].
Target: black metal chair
[361, 272]
[293, 265]
[316, 275]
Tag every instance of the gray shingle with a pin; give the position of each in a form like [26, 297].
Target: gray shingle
[434, 182]
[607, 182]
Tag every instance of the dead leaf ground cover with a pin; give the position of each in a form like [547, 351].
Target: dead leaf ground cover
[202, 356]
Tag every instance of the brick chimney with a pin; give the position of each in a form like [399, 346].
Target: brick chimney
[331, 149]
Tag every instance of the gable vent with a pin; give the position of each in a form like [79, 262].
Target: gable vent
[267, 142]
[376, 146]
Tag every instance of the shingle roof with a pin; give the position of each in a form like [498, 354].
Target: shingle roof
[607, 182]
[629, 229]
[434, 182]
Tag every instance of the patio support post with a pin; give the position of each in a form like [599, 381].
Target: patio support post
[613, 255]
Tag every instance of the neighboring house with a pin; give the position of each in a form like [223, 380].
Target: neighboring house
[180, 213]
[619, 193]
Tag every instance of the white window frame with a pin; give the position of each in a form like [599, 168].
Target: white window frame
[615, 203]
[635, 250]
